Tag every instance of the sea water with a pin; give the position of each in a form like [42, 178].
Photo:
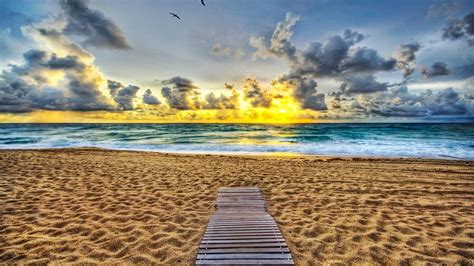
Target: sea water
[454, 141]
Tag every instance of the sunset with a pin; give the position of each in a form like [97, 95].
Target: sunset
[232, 132]
[224, 63]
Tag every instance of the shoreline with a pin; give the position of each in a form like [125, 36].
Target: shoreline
[245, 154]
[91, 205]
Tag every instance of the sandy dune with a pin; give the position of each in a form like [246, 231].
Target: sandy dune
[99, 206]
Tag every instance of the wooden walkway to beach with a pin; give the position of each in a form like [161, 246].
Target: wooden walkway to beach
[242, 232]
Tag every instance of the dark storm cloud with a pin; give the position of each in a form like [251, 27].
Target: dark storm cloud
[406, 57]
[401, 103]
[114, 87]
[229, 86]
[19, 97]
[14, 97]
[35, 56]
[36, 60]
[98, 30]
[255, 94]
[356, 67]
[183, 95]
[460, 29]
[322, 59]
[67, 62]
[331, 58]
[150, 99]
[123, 96]
[305, 92]
[126, 96]
[361, 84]
[25, 88]
[86, 96]
[366, 59]
[221, 102]
[180, 82]
[437, 69]
[337, 57]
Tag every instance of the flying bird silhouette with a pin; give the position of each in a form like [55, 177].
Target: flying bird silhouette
[174, 15]
[202, 2]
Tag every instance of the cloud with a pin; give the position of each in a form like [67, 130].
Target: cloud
[149, 98]
[123, 96]
[405, 56]
[443, 9]
[239, 53]
[49, 35]
[337, 57]
[334, 57]
[361, 84]
[48, 81]
[222, 101]
[183, 95]
[399, 102]
[304, 90]
[114, 87]
[365, 60]
[255, 94]
[279, 44]
[460, 29]
[219, 50]
[98, 30]
[15, 97]
[437, 69]
[62, 75]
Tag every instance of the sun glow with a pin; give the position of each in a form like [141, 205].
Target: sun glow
[284, 109]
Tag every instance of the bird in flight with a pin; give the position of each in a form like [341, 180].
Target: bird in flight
[174, 15]
[202, 2]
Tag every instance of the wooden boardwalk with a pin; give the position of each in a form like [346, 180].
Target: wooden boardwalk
[242, 232]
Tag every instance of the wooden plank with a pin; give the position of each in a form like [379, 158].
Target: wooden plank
[231, 227]
[243, 245]
[242, 223]
[267, 230]
[243, 256]
[262, 238]
[252, 232]
[237, 220]
[245, 262]
[243, 226]
[237, 189]
[242, 232]
[217, 241]
[244, 250]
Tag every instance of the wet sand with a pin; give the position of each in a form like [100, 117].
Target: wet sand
[102, 206]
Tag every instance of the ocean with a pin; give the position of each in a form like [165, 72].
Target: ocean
[449, 141]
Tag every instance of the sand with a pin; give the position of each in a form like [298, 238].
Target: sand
[100, 206]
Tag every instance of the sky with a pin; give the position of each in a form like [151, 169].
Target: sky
[249, 61]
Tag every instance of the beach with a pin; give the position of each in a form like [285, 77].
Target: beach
[88, 205]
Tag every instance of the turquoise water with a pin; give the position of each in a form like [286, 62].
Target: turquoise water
[393, 140]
